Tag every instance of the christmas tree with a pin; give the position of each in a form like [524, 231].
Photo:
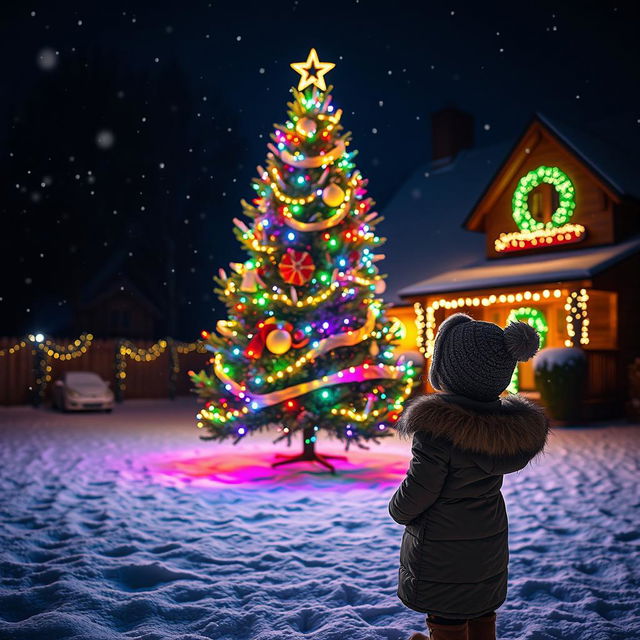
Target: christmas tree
[307, 345]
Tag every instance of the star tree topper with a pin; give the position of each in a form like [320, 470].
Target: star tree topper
[312, 71]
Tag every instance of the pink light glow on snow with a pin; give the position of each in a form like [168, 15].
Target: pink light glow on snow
[362, 469]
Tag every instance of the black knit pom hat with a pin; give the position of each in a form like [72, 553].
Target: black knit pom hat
[476, 359]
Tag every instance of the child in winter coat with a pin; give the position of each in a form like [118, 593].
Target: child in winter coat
[454, 555]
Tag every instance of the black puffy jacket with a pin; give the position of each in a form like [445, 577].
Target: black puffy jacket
[454, 555]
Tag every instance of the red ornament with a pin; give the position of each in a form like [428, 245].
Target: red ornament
[296, 267]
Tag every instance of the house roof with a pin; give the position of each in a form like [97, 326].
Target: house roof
[615, 160]
[485, 274]
[609, 153]
[424, 218]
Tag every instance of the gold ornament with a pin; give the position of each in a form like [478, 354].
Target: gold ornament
[333, 195]
[279, 341]
[312, 71]
[306, 126]
[320, 225]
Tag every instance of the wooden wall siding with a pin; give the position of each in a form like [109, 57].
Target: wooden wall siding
[602, 310]
[624, 278]
[16, 373]
[594, 210]
[603, 376]
[144, 379]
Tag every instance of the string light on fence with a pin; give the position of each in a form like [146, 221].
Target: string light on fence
[13, 349]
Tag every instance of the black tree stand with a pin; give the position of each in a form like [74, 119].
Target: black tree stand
[309, 453]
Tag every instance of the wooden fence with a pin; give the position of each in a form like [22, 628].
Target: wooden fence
[144, 379]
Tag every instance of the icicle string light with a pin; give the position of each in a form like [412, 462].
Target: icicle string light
[429, 323]
[577, 318]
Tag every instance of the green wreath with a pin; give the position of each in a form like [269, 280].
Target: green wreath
[538, 321]
[566, 192]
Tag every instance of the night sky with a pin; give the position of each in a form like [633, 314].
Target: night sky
[395, 63]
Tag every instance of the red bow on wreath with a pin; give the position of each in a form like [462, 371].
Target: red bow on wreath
[256, 345]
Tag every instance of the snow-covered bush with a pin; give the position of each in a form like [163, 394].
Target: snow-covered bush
[560, 375]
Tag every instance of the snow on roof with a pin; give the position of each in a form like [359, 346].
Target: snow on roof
[424, 218]
[500, 272]
[614, 159]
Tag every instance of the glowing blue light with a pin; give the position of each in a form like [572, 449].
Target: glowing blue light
[291, 236]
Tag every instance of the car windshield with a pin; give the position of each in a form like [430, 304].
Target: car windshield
[83, 378]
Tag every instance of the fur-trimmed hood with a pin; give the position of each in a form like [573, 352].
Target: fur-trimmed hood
[508, 427]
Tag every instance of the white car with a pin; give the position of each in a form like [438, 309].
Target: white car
[82, 390]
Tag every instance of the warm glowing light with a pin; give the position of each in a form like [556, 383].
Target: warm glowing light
[312, 71]
[426, 321]
[522, 240]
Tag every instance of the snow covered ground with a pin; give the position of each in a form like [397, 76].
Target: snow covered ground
[127, 526]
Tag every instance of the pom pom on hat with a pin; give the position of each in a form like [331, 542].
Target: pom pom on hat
[521, 341]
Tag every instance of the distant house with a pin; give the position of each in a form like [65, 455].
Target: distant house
[556, 217]
[113, 305]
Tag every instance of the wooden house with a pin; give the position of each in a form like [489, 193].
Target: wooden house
[559, 224]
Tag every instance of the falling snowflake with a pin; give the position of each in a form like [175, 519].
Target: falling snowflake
[47, 59]
[105, 139]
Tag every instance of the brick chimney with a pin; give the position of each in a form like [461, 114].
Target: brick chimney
[451, 132]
